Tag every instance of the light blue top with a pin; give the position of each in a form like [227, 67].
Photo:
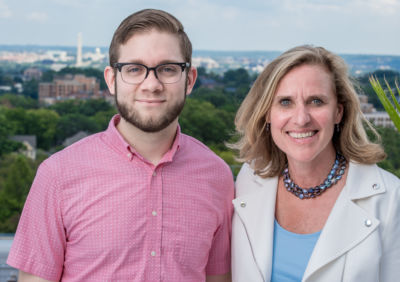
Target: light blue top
[291, 254]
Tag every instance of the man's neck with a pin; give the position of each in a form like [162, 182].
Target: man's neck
[151, 146]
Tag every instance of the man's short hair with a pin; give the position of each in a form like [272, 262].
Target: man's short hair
[144, 21]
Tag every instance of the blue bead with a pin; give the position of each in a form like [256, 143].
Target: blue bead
[305, 191]
[322, 187]
[301, 196]
[311, 190]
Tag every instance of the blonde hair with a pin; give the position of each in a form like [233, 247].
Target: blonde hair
[256, 145]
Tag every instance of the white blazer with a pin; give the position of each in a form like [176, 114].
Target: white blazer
[360, 241]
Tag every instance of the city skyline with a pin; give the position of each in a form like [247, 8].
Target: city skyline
[347, 27]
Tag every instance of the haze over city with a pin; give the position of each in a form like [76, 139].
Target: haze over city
[342, 26]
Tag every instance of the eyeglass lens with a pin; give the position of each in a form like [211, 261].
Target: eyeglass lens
[166, 73]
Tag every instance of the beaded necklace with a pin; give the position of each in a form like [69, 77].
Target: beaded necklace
[334, 176]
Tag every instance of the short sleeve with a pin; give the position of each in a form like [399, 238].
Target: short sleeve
[219, 261]
[39, 243]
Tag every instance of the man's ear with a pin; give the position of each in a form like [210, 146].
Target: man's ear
[191, 79]
[109, 77]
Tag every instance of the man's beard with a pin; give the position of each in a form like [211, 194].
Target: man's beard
[151, 124]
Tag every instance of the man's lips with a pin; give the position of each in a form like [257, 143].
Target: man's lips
[150, 101]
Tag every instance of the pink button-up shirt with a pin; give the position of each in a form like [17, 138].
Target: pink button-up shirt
[98, 211]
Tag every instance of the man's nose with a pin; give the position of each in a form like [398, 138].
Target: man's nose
[151, 82]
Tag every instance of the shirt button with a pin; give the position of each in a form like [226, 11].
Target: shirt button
[129, 155]
[243, 204]
[368, 222]
[154, 213]
[153, 253]
[154, 173]
[376, 186]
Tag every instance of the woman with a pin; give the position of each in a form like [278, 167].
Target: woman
[311, 204]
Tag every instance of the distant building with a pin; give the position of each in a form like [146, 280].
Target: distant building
[5, 88]
[32, 73]
[29, 142]
[79, 51]
[365, 106]
[208, 82]
[69, 87]
[380, 119]
[74, 138]
[372, 115]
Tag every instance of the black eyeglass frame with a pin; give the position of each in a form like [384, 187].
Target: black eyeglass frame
[148, 69]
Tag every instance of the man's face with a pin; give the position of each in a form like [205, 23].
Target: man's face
[150, 105]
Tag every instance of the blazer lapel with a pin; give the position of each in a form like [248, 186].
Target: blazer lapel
[256, 211]
[348, 224]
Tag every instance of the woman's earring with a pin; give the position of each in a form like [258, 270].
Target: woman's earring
[267, 127]
[337, 128]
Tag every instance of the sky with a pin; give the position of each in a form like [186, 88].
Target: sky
[341, 26]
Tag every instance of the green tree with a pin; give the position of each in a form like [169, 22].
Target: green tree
[103, 118]
[18, 101]
[66, 107]
[31, 88]
[43, 124]
[236, 78]
[7, 130]
[92, 106]
[203, 121]
[17, 176]
[71, 124]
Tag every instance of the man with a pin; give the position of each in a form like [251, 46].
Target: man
[140, 201]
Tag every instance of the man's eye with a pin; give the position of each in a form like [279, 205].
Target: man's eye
[168, 69]
[133, 69]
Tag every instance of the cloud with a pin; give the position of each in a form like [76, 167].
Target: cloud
[5, 12]
[388, 7]
[37, 17]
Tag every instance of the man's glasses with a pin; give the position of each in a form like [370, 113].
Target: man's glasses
[133, 73]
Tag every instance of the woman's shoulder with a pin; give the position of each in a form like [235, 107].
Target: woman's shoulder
[365, 171]
[248, 182]
[372, 180]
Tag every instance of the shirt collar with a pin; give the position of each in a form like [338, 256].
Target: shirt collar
[114, 138]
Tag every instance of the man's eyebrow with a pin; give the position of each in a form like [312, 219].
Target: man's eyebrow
[139, 61]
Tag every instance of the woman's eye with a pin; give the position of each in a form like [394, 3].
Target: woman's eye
[317, 102]
[284, 102]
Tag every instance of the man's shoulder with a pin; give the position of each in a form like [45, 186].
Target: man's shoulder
[198, 148]
[79, 150]
[199, 152]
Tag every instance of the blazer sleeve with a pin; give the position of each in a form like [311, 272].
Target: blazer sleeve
[390, 262]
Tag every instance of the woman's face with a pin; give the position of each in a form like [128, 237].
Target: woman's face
[304, 113]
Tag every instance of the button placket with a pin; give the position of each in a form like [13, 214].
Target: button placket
[155, 218]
